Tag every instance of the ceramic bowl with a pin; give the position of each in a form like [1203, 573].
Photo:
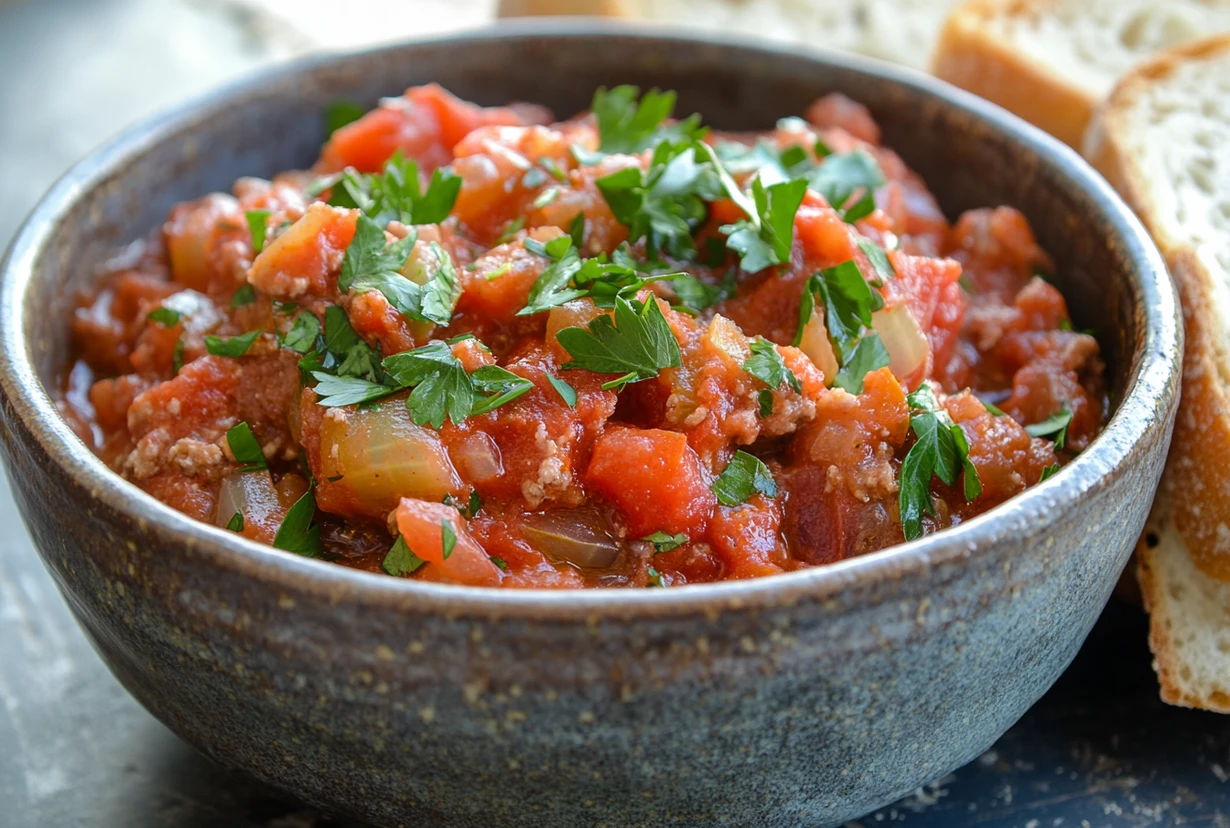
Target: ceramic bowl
[802, 699]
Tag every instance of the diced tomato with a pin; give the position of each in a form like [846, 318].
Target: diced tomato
[421, 525]
[747, 538]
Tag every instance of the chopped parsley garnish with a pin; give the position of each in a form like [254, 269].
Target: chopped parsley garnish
[848, 304]
[297, 534]
[545, 197]
[258, 224]
[231, 346]
[1055, 426]
[993, 409]
[880, 264]
[566, 392]
[340, 113]
[468, 510]
[511, 229]
[336, 391]
[655, 577]
[552, 288]
[576, 230]
[627, 125]
[500, 563]
[637, 344]
[399, 560]
[235, 524]
[764, 238]
[1049, 472]
[396, 195]
[665, 204]
[743, 477]
[302, 335]
[697, 295]
[448, 539]
[246, 295]
[351, 355]
[442, 388]
[665, 542]
[177, 357]
[495, 386]
[842, 176]
[767, 365]
[941, 450]
[370, 264]
[164, 316]
[245, 448]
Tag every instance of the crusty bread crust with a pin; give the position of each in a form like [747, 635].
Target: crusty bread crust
[969, 55]
[1183, 569]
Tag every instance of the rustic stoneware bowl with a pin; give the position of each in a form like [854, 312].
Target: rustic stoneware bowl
[803, 699]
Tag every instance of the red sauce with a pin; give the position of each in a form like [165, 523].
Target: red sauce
[582, 484]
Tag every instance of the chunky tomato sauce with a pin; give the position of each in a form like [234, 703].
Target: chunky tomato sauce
[478, 346]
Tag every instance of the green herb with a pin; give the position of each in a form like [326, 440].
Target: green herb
[628, 126]
[442, 290]
[841, 176]
[880, 264]
[468, 510]
[822, 149]
[399, 560]
[441, 385]
[245, 448]
[297, 534]
[665, 542]
[993, 409]
[1065, 325]
[765, 237]
[235, 524]
[1055, 426]
[177, 357]
[545, 197]
[940, 450]
[765, 398]
[534, 178]
[164, 316]
[1049, 472]
[232, 346]
[766, 364]
[764, 159]
[396, 195]
[448, 538]
[302, 335]
[576, 230]
[848, 304]
[336, 391]
[511, 229]
[246, 295]
[566, 392]
[637, 344]
[495, 386]
[655, 578]
[552, 288]
[340, 113]
[500, 563]
[352, 355]
[258, 225]
[745, 475]
[697, 295]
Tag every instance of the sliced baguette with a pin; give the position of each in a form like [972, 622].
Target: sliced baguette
[1162, 138]
[902, 31]
[1053, 61]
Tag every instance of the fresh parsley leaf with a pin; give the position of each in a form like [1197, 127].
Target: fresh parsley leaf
[1055, 426]
[665, 542]
[340, 113]
[441, 385]
[848, 302]
[765, 399]
[500, 563]
[370, 260]
[638, 343]
[442, 289]
[566, 392]
[177, 357]
[246, 295]
[511, 229]
[745, 475]
[164, 316]
[235, 524]
[448, 538]
[880, 264]
[576, 230]
[297, 534]
[468, 510]
[245, 448]
[628, 126]
[842, 175]
[338, 391]
[495, 386]
[766, 364]
[1049, 472]
[553, 286]
[352, 355]
[655, 577]
[768, 240]
[868, 355]
[697, 295]
[396, 194]
[993, 409]
[399, 560]
[258, 225]
[302, 335]
[233, 346]
[940, 447]
[545, 197]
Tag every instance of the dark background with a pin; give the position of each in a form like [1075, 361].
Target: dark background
[76, 750]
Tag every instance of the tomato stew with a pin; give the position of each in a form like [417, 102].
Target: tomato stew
[477, 346]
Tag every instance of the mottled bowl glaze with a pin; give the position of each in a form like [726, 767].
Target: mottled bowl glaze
[803, 699]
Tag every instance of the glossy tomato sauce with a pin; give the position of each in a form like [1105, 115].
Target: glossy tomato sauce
[460, 349]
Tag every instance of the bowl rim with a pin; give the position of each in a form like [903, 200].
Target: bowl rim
[1142, 414]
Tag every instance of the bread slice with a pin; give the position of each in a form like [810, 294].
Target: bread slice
[1053, 61]
[1162, 138]
[902, 31]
